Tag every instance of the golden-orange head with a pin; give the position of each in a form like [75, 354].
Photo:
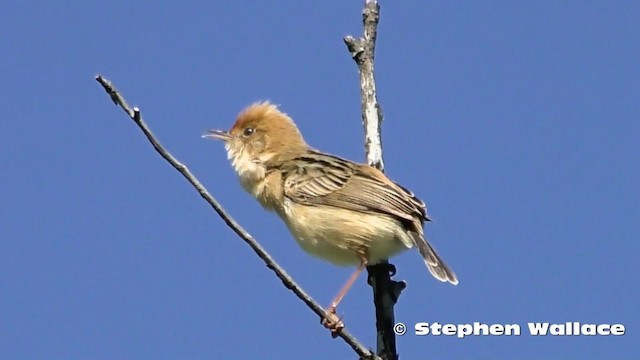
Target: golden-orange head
[261, 133]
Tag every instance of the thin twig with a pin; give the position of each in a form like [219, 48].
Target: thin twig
[289, 283]
[385, 290]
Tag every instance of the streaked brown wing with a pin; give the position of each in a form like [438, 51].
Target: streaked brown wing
[319, 179]
[315, 176]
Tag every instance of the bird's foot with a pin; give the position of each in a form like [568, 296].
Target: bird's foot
[333, 322]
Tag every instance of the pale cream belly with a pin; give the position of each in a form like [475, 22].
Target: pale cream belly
[341, 237]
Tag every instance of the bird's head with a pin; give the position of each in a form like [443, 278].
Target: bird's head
[261, 134]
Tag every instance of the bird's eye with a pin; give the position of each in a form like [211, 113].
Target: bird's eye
[247, 132]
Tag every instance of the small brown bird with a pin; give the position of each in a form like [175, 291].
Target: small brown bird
[337, 210]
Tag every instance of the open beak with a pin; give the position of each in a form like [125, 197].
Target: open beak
[217, 135]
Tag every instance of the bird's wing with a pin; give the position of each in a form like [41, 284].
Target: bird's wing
[320, 179]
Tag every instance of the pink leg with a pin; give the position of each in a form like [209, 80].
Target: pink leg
[333, 322]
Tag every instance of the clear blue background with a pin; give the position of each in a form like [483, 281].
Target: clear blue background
[516, 121]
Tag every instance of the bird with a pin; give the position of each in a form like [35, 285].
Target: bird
[338, 210]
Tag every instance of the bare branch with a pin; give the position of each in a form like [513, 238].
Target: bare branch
[289, 283]
[385, 290]
[363, 52]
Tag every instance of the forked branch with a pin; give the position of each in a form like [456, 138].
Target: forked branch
[385, 290]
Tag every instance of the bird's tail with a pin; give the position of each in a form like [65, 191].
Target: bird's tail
[434, 263]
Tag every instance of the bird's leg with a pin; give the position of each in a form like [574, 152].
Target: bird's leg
[347, 286]
[332, 321]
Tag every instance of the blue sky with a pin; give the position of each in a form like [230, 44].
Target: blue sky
[517, 122]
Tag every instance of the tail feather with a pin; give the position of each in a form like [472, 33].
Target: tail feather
[434, 263]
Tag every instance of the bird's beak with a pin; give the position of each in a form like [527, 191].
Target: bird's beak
[217, 135]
